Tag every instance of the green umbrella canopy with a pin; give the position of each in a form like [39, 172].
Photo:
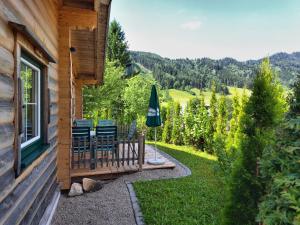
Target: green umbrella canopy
[153, 115]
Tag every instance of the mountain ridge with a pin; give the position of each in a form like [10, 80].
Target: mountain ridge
[185, 73]
[277, 54]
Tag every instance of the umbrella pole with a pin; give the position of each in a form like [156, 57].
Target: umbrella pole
[155, 143]
[156, 161]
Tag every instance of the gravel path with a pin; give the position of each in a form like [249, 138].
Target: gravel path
[112, 204]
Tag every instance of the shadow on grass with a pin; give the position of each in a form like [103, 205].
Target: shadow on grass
[196, 199]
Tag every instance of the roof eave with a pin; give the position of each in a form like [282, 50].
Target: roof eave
[103, 9]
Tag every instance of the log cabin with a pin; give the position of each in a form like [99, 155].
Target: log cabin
[49, 49]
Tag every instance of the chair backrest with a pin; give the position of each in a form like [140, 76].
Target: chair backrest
[106, 131]
[83, 123]
[132, 130]
[81, 138]
[104, 123]
[83, 132]
[106, 138]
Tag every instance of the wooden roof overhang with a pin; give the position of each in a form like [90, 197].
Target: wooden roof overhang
[88, 39]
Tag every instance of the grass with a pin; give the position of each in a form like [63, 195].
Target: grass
[183, 96]
[180, 96]
[196, 199]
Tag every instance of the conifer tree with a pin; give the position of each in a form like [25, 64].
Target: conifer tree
[263, 112]
[280, 168]
[238, 135]
[213, 114]
[189, 121]
[213, 104]
[163, 114]
[220, 136]
[230, 154]
[222, 118]
[294, 100]
[234, 122]
[117, 46]
[167, 129]
[188, 124]
[177, 136]
[166, 135]
[200, 125]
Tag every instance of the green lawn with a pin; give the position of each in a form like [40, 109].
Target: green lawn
[180, 96]
[183, 96]
[197, 199]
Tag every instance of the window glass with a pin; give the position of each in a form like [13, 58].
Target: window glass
[30, 77]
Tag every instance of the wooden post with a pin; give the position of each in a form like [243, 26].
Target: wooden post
[17, 112]
[123, 152]
[141, 151]
[103, 10]
[78, 99]
[69, 18]
[128, 151]
[133, 150]
[65, 106]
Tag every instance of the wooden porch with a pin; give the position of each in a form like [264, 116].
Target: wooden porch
[126, 163]
[82, 29]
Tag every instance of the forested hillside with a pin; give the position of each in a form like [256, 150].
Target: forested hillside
[198, 73]
[253, 133]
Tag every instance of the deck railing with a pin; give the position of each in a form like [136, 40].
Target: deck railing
[107, 151]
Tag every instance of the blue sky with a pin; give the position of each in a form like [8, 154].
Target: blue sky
[242, 29]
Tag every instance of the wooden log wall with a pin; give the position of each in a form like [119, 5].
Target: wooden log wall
[24, 198]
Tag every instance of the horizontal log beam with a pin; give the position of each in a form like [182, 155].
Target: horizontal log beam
[101, 37]
[7, 136]
[30, 174]
[6, 62]
[6, 87]
[6, 112]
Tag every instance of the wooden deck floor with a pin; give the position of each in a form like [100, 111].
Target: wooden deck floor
[114, 170]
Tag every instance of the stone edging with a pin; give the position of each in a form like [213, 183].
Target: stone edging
[139, 219]
[138, 216]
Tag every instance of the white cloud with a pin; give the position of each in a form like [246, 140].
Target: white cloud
[191, 25]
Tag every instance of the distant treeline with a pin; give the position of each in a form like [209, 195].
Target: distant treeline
[199, 73]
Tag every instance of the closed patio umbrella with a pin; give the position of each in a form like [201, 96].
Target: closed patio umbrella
[154, 120]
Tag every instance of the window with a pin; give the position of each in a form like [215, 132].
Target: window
[31, 107]
[32, 83]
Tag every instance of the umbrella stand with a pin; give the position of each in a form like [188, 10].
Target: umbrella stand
[155, 161]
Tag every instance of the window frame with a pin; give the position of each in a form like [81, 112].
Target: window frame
[27, 45]
[39, 97]
[30, 152]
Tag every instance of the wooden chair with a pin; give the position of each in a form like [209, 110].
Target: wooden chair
[131, 134]
[83, 123]
[132, 130]
[81, 145]
[104, 123]
[106, 144]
